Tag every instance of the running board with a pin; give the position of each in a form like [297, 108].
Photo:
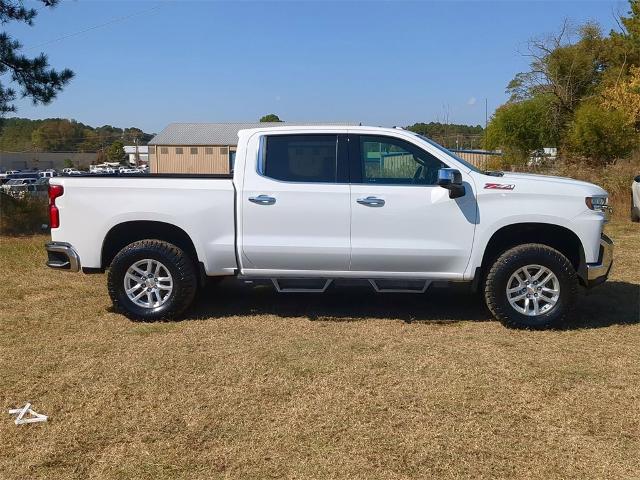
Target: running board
[400, 286]
[301, 285]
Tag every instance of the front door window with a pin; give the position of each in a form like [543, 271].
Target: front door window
[390, 161]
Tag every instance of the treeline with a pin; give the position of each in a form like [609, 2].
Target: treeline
[63, 135]
[581, 94]
[450, 135]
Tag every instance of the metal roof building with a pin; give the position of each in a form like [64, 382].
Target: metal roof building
[203, 147]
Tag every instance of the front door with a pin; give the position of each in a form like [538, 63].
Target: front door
[402, 222]
[296, 206]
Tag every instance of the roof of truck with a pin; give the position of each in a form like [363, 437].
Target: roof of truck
[220, 133]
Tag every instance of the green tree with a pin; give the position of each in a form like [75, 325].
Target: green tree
[520, 128]
[601, 135]
[272, 117]
[16, 134]
[115, 152]
[450, 134]
[57, 135]
[131, 134]
[32, 76]
[89, 142]
[60, 134]
[566, 67]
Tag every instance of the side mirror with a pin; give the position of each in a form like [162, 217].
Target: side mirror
[451, 179]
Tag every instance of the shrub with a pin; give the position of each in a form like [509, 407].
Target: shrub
[600, 135]
[22, 216]
[520, 128]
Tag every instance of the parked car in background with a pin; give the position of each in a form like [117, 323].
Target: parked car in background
[14, 182]
[307, 206]
[72, 171]
[24, 174]
[635, 199]
[48, 174]
[20, 187]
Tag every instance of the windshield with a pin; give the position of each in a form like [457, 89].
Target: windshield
[14, 182]
[470, 166]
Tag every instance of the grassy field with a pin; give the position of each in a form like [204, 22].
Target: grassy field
[345, 385]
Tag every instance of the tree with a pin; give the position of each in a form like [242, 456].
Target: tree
[32, 76]
[624, 96]
[601, 135]
[57, 135]
[272, 117]
[452, 134]
[131, 134]
[115, 152]
[60, 134]
[567, 66]
[520, 128]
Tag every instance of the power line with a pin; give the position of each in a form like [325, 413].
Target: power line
[94, 27]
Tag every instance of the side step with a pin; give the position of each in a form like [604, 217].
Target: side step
[301, 285]
[400, 286]
[320, 285]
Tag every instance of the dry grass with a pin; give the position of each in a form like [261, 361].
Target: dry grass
[345, 385]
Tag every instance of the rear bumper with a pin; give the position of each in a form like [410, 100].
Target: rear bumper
[598, 272]
[62, 256]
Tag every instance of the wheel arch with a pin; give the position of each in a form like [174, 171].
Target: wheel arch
[122, 234]
[555, 236]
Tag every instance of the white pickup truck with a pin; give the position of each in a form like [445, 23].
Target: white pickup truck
[307, 206]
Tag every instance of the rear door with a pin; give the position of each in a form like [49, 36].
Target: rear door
[296, 206]
[403, 224]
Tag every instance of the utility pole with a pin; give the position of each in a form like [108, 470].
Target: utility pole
[137, 155]
[486, 113]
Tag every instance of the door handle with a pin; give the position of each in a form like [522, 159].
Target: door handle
[263, 200]
[371, 202]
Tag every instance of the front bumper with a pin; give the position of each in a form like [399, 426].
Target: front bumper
[598, 272]
[62, 256]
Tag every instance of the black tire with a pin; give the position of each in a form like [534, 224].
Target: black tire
[180, 266]
[510, 262]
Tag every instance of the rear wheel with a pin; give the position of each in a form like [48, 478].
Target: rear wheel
[531, 286]
[152, 280]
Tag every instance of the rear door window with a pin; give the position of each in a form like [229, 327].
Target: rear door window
[301, 158]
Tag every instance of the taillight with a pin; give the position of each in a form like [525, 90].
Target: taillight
[55, 191]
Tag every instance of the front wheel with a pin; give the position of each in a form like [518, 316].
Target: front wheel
[152, 280]
[531, 286]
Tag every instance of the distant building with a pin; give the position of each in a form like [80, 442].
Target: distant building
[44, 160]
[143, 154]
[201, 147]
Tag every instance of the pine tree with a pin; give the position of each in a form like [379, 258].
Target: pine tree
[33, 77]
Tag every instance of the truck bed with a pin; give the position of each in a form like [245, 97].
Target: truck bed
[203, 206]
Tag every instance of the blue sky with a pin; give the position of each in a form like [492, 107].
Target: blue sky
[375, 62]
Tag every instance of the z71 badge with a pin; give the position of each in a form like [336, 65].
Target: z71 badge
[499, 186]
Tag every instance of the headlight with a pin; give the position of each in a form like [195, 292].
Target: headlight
[597, 202]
